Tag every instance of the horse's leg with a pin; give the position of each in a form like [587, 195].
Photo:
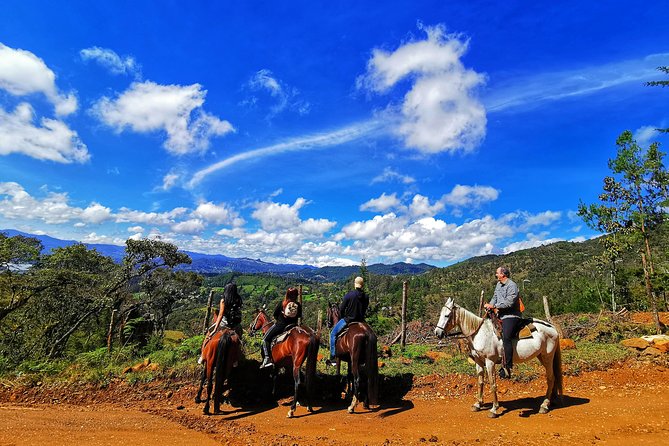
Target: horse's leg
[547, 361]
[492, 378]
[210, 385]
[203, 376]
[296, 385]
[355, 371]
[480, 373]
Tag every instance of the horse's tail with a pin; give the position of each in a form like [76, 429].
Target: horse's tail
[312, 359]
[372, 369]
[557, 373]
[220, 358]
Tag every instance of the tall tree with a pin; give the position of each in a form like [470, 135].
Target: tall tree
[662, 83]
[18, 256]
[632, 204]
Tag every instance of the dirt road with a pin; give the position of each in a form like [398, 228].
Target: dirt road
[629, 404]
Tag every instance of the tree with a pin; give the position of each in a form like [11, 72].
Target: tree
[18, 256]
[632, 205]
[662, 83]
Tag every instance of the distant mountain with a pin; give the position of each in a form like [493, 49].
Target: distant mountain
[218, 264]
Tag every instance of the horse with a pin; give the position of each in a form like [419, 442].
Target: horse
[486, 350]
[300, 344]
[220, 354]
[358, 348]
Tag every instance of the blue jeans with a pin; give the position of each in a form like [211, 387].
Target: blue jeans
[339, 326]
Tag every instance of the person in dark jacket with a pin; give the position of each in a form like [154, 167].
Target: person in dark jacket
[506, 300]
[352, 309]
[286, 313]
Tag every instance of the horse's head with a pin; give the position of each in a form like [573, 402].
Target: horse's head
[259, 321]
[332, 314]
[446, 322]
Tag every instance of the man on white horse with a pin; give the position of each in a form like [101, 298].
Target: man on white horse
[506, 300]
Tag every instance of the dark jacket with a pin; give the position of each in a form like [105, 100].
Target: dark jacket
[354, 306]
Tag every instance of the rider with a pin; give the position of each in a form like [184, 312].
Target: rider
[352, 309]
[229, 314]
[286, 313]
[507, 302]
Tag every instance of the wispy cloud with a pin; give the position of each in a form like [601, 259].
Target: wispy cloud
[554, 86]
[284, 96]
[114, 63]
[310, 142]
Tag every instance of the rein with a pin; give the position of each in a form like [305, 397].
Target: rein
[255, 321]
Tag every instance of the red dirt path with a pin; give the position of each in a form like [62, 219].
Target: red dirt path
[629, 404]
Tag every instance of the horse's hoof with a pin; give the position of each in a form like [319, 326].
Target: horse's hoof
[492, 415]
[365, 406]
[206, 412]
[290, 414]
[197, 400]
[476, 408]
[310, 409]
[543, 409]
[350, 410]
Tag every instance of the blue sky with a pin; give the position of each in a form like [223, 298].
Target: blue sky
[427, 131]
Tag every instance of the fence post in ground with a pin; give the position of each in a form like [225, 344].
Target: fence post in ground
[481, 303]
[319, 322]
[299, 299]
[110, 331]
[405, 292]
[205, 324]
[550, 319]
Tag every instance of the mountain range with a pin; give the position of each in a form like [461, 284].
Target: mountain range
[212, 264]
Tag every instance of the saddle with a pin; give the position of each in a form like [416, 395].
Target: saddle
[282, 337]
[524, 329]
[527, 330]
[345, 329]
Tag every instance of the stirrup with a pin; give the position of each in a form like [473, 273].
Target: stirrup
[266, 363]
[505, 373]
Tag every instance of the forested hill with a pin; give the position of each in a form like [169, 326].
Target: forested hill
[570, 274]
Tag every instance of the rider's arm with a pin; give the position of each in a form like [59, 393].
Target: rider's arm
[221, 310]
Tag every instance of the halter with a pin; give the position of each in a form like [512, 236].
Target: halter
[252, 328]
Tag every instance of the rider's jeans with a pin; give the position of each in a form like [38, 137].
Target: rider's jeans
[333, 335]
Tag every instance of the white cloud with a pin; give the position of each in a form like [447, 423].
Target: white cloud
[217, 214]
[543, 218]
[18, 204]
[420, 207]
[112, 61]
[192, 226]
[148, 107]
[441, 112]
[521, 92]
[53, 140]
[135, 229]
[532, 242]
[96, 214]
[384, 203]
[470, 196]
[274, 216]
[23, 73]
[126, 215]
[379, 226]
[645, 135]
[169, 181]
[390, 175]
[101, 238]
[304, 143]
[285, 97]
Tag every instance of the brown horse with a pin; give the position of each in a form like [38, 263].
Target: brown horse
[301, 344]
[358, 348]
[220, 354]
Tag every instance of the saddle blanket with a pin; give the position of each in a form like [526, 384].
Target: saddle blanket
[526, 331]
[282, 337]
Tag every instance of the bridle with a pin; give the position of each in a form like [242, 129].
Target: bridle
[252, 327]
[450, 315]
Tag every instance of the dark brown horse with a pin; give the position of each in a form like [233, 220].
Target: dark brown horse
[358, 348]
[220, 354]
[301, 344]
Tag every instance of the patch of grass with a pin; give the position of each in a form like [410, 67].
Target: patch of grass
[588, 356]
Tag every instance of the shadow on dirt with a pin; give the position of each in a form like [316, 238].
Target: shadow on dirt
[251, 392]
[530, 406]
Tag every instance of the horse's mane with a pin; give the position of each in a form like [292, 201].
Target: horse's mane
[469, 322]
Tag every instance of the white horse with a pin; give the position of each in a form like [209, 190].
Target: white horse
[486, 350]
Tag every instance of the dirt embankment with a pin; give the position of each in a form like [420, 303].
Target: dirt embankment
[628, 404]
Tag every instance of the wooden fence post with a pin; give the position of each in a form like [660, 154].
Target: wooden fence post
[299, 299]
[550, 319]
[205, 324]
[110, 331]
[481, 303]
[405, 292]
